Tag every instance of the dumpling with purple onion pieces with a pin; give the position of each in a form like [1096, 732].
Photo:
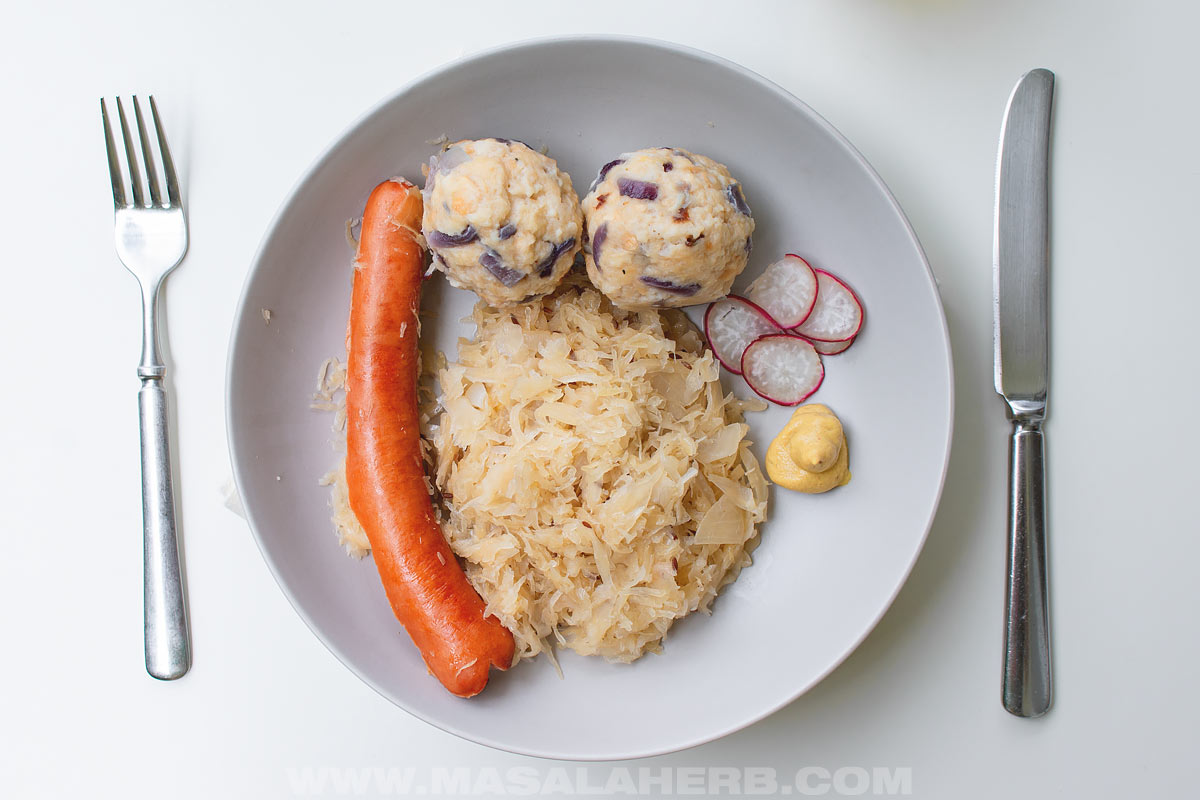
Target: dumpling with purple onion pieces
[665, 227]
[500, 219]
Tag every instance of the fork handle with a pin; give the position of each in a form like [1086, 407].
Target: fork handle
[1027, 682]
[168, 649]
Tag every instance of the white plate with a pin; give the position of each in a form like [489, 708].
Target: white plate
[828, 566]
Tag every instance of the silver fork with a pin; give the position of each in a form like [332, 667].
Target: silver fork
[151, 241]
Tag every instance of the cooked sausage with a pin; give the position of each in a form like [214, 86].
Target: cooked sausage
[385, 474]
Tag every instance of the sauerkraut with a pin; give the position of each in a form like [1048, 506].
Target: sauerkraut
[595, 480]
[598, 482]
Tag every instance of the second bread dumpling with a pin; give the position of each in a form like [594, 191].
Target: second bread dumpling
[500, 219]
[667, 227]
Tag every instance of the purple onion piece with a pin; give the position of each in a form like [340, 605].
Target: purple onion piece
[490, 260]
[638, 190]
[439, 239]
[734, 193]
[597, 242]
[545, 268]
[604, 172]
[452, 157]
[502, 140]
[430, 178]
[506, 232]
[681, 289]
[749, 246]
[442, 163]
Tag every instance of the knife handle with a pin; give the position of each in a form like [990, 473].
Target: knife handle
[1027, 685]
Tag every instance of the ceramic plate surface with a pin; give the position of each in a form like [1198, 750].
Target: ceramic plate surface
[828, 565]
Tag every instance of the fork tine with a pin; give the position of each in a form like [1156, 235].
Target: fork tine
[114, 165]
[147, 154]
[168, 164]
[135, 177]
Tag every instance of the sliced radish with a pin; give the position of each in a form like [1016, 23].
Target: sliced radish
[832, 348]
[787, 290]
[731, 324]
[838, 314]
[782, 368]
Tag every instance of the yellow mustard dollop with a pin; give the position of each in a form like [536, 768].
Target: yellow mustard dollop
[810, 453]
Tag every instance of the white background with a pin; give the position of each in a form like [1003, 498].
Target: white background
[251, 93]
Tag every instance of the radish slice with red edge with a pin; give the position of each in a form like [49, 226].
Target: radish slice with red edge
[782, 368]
[787, 290]
[832, 348]
[838, 313]
[730, 325]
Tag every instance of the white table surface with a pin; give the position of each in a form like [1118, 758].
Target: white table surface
[251, 92]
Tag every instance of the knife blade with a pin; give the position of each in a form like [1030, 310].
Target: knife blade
[1021, 336]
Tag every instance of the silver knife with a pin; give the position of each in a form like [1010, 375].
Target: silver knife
[1020, 278]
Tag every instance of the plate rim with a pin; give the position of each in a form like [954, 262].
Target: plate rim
[676, 49]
